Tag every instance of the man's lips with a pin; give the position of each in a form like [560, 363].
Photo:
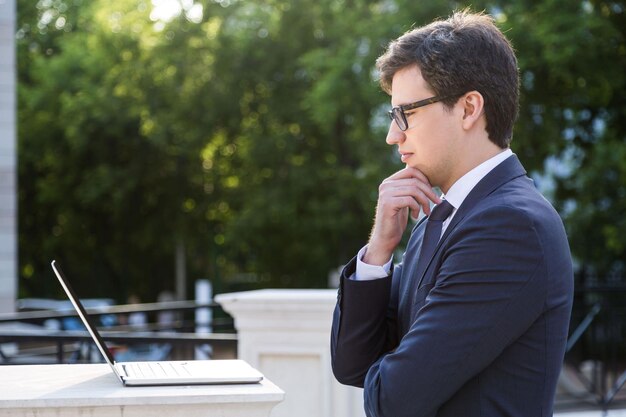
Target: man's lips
[404, 156]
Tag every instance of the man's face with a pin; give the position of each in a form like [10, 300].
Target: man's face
[431, 141]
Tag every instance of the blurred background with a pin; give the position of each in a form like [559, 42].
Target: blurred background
[242, 142]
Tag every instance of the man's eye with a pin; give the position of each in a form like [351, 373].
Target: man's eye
[408, 113]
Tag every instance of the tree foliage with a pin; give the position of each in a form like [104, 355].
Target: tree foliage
[252, 132]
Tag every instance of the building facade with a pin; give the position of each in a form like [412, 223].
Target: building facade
[8, 158]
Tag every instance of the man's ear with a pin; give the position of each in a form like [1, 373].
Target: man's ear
[473, 108]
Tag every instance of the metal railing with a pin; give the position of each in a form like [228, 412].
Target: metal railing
[596, 347]
[24, 339]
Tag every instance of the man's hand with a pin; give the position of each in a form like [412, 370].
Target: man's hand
[406, 190]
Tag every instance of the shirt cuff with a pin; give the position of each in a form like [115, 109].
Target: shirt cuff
[367, 272]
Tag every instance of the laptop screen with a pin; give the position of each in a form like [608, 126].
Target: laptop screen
[91, 328]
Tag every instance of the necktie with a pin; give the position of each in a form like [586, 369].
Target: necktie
[432, 234]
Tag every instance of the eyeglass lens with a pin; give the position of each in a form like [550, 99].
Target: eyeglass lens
[397, 115]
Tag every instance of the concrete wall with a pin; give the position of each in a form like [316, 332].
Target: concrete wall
[8, 158]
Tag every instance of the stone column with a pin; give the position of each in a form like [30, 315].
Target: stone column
[286, 334]
[8, 165]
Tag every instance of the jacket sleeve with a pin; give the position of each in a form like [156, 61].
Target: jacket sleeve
[364, 325]
[489, 288]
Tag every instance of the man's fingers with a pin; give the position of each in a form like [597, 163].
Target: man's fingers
[421, 198]
[411, 182]
[410, 187]
[411, 177]
[392, 206]
[407, 192]
[428, 192]
[419, 175]
[410, 172]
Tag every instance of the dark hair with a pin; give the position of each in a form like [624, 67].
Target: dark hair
[463, 53]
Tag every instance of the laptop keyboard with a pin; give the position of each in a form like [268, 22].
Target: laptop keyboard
[151, 370]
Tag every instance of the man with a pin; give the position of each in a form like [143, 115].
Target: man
[475, 319]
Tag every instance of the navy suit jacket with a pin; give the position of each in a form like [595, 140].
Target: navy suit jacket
[482, 332]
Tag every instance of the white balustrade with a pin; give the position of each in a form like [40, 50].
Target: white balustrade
[93, 390]
[286, 335]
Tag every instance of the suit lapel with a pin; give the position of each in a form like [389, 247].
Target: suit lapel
[509, 169]
[410, 258]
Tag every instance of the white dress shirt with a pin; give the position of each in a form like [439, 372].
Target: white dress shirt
[455, 196]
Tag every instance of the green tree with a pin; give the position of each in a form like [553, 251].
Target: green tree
[108, 180]
[251, 134]
[573, 61]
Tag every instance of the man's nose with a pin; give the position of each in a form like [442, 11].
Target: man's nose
[395, 135]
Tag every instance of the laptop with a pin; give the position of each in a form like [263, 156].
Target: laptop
[163, 372]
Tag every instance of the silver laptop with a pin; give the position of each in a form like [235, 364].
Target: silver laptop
[163, 372]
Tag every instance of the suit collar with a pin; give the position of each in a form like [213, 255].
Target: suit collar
[509, 169]
[464, 185]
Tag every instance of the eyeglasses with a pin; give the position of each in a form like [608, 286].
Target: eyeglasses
[397, 113]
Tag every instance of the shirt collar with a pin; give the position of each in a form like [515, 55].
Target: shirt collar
[464, 185]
